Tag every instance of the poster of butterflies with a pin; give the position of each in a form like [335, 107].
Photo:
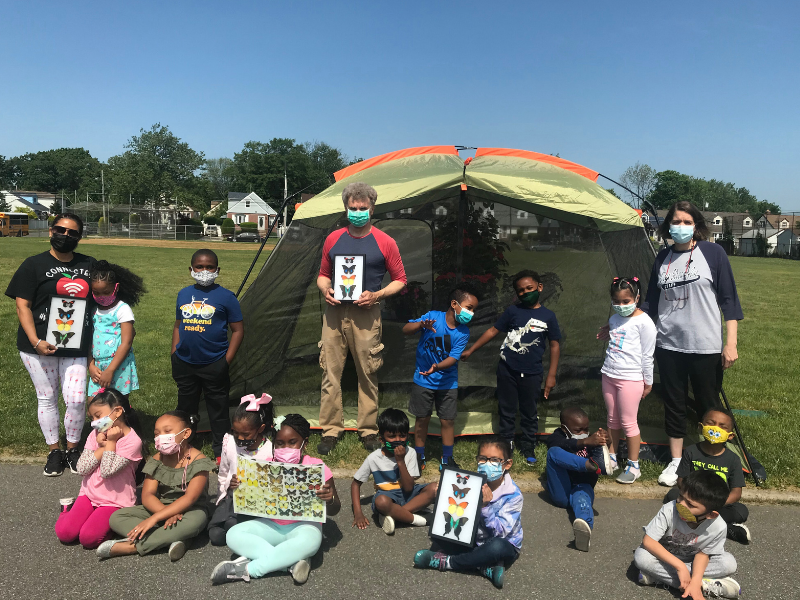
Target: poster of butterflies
[455, 512]
[279, 490]
[65, 323]
[348, 277]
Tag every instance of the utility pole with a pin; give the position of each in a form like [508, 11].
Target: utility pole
[285, 195]
[103, 196]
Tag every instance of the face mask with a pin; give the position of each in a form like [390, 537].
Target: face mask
[492, 472]
[358, 218]
[576, 436]
[529, 298]
[288, 455]
[714, 434]
[465, 316]
[244, 443]
[685, 513]
[166, 443]
[103, 424]
[106, 300]
[205, 278]
[63, 243]
[681, 233]
[389, 447]
[624, 310]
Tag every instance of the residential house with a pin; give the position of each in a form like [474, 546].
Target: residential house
[19, 203]
[513, 221]
[780, 222]
[51, 201]
[250, 208]
[749, 247]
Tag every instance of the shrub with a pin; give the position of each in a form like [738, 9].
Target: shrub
[227, 227]
[211, 220]
[249, 226]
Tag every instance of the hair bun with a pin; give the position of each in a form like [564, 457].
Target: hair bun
[194, 421]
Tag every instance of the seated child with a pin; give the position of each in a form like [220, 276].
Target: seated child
[270, 545]
[574, 460]
[393, 471]
[499, 537]
[444, 337]
[684, 545]
[174, 498]
[712, 455]
[108, 464]
[251, 429]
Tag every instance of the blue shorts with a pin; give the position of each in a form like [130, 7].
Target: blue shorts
[398, 496]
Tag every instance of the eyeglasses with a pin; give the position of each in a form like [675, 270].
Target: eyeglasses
[495, 462]
[65, 231]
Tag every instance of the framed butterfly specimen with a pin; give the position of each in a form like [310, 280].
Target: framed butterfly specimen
[65, 323]
[348, 277]
[456, 510]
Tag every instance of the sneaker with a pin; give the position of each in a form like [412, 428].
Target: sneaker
[739, 533]
[176, 551]
[327, 444]
[530, 460]
[614, 464]
[371, 442]
[451, 462]
[727, 587]
[300, 571]
[669, 476]
[66, 504]
[387, 524]
[71, 459]
[608, 466]
[428, 559]
[104, 549]
[645, 579]
[629, 475]
[583, 534]
[422, 463]
[55, 463]
[230, 570]
[496, 574]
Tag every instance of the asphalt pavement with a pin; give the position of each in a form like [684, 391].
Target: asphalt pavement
[353, 563]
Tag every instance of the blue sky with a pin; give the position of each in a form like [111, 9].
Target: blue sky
[711, 89]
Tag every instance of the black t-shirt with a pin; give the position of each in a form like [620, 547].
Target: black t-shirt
[43, 276]
[727, 465]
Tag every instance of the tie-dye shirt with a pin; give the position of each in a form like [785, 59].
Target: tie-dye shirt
[502, 516]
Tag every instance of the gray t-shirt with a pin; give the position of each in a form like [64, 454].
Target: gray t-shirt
[682, 541]
[384, 470]
[686, 293]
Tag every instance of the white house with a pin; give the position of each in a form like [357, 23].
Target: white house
[19, 203]
[747, 242]
[250, 208]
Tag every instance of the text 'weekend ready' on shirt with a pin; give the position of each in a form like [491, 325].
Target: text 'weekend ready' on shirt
[203, 314]
[435, 346]
[380, 251]
[526, 331]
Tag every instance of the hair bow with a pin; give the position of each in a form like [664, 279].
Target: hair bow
[100, 391]
[636, 279]
[255, 403]
[615, 279]
[279, 421]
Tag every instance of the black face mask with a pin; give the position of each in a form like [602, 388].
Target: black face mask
[389, 447]
[63, 243]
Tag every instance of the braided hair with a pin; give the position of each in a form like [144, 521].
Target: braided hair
[298, 423]
[265, 415]
[627, 283]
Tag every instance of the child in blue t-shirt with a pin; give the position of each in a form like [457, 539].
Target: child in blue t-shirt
[527, 326]
[201, 351]
[444, 337]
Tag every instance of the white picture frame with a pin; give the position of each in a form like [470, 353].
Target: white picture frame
[457, 507]
[65, 320]
[348, 277]
[279, 490]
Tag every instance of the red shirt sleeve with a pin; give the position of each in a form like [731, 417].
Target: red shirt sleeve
[326, 266]
[391, 254]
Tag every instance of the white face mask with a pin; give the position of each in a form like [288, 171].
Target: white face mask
[579, 436]
[205, 278]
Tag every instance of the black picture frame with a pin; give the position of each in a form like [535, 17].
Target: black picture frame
[344, 266]
[445, 490]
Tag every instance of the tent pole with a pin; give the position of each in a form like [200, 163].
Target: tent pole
[462, 225]
[739, 437]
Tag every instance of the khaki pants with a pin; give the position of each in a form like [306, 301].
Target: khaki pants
[348, 327]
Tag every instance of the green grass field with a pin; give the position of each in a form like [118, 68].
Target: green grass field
[765, 378]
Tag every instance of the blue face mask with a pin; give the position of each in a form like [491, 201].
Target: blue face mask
[492, 472]
[624, 310]
[465, 316]
[681, 233]
[358, 218]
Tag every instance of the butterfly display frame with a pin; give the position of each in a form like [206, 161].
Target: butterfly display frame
[279, 490]
[457, 507]
[65, 320]
[348, 276]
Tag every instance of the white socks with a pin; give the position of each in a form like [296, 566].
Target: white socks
[676, 461]
[419, 521]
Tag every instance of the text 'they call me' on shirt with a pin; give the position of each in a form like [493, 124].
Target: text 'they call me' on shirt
[380, 252]
[203, 314]
[435, 346]
[526, 331]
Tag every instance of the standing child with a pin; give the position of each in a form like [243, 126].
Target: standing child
[444, 337]
[684, 545]
[251, 428]
[108, 465]
[712, 455]
[270, 545]
[519, 373]
[627, 371]
[574, 460]
[174, 498]
[498, 540]
[393, 471]
[201, 352]
[115, 289]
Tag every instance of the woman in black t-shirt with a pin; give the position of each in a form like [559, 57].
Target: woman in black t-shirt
[64, 274]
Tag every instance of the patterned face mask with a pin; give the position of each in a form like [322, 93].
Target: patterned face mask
[205, 278]
[714, 434]
[685, 513]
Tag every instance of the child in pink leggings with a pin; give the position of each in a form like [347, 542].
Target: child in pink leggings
[108, 465]
[627, 371]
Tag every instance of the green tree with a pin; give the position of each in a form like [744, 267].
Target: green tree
[6, 172]
[218, 172]
[64, 169]
[613, 192]
[640, 179]
[157, 167]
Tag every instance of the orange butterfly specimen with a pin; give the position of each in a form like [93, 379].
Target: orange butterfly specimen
[64, 325]
[348, 280]
[456, 508]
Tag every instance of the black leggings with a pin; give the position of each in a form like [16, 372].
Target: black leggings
[677, 369]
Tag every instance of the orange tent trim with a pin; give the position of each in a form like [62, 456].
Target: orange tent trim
[545, 158]
[384, 158]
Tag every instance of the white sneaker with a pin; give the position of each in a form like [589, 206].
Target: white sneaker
[387, 524]
[645, 579]
[583, 534]
[300, 571]
[727, 587]
[669, 476]
[104, 549]
[608, 464]
[176, 551]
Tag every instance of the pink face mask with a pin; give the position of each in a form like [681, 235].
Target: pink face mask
[288, 455]
[106, 300]
[166, 443]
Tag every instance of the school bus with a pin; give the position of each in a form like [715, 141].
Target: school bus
[13, 224]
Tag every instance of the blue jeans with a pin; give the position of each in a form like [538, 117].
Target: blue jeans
[493, 551]
[563, 493]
